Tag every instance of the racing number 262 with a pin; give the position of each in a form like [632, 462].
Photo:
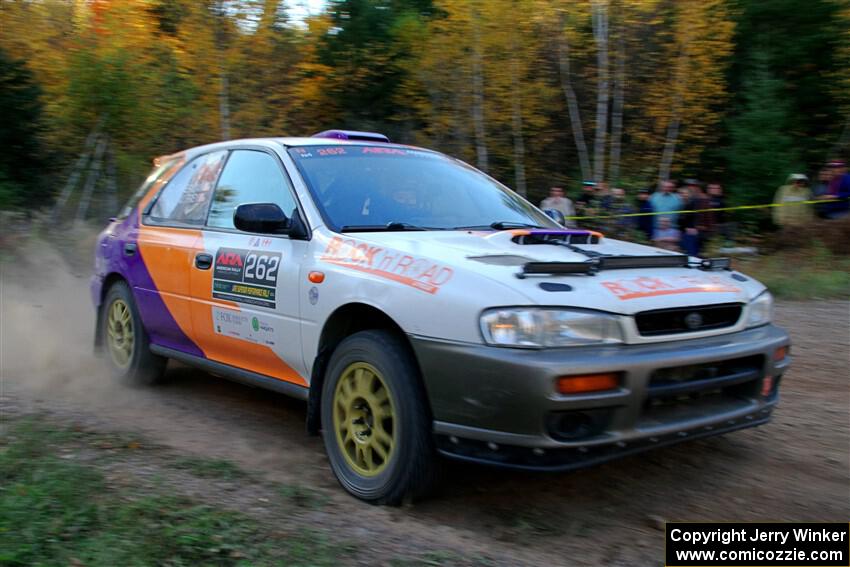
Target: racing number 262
[262, 268]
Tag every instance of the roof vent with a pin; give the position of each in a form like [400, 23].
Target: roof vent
[352, 135]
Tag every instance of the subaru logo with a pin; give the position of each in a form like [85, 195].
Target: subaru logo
[693, 321]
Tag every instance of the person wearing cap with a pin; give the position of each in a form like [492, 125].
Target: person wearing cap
[788, 212]
[839, 188]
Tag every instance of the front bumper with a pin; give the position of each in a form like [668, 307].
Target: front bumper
[500, 405]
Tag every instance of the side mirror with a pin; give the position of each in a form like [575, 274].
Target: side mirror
[264, 218]
[556, 216]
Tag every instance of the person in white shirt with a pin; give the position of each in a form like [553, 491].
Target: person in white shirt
[557, 201]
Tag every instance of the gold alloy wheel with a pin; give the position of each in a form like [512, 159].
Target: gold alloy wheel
[119, 330]
[364, 419]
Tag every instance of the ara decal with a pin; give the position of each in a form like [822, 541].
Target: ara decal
[246, 276]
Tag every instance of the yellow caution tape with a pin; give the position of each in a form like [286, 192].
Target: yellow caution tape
[738, 208]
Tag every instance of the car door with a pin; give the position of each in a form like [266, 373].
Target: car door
[171, 226]
[244, 286]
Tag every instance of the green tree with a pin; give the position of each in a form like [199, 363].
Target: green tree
[802, 39]
[368, 46]
[763, 150]
[22, 160]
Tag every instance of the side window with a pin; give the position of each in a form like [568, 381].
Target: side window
[187, 196]
[158, 173]
[249, 177]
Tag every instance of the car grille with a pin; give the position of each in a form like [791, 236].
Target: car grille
[687, 319]
[686, 392]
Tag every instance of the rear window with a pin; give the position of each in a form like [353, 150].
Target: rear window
[158, 173]
[187, 196]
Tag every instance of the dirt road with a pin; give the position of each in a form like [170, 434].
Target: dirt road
[795, 468]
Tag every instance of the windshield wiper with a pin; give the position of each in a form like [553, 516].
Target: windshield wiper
[389, 227]
[501, 225]
[505, 225]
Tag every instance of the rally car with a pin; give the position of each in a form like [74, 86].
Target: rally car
[421, 308]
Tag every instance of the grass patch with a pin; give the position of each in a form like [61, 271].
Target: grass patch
[210, 468]
[809, 274]
[302, 496]
[56, 511]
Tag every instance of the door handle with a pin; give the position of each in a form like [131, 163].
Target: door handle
[203, 261]
[130, 249]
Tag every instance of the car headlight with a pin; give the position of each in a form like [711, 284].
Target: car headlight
[761, 310]
[536, 328]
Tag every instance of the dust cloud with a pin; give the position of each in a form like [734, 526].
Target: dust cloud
[48, 364]
[47, 321]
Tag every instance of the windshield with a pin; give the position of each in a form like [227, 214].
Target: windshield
[389, 188]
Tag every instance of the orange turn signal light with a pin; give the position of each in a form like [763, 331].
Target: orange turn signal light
[767, 386]
[316, 277]
[780, 353]
[588, 383]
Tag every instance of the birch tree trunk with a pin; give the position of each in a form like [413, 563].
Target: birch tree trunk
[572, 101]
[478, 96]
[91, 179]
[600, 33]
[672, 137]
[76, 171]
[111, 203]
[516, 122]
[224, 106]
[617, 110]
[669, 147]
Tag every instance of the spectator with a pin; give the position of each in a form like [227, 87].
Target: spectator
[822, 188]
[645, 223]
[839, 188]
[794, 191]
[693, 225]
[603, 194]
[666, 236]
[716, 219]
[557, 201]
[684, 193]
[587, 205]
[618, 206]
[666, 201]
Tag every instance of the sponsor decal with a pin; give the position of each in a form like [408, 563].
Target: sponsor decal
[258, 242]
[246, 276]
[336, 151]
[238, 325]
[420, 273]
[644, 286]
[384, 151]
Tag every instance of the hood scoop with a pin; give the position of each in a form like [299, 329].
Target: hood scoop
[525, 237]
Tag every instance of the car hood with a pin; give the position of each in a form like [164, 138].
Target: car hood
[494, 255]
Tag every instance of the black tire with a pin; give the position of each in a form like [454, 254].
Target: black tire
[143, 366]
[412, 463]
